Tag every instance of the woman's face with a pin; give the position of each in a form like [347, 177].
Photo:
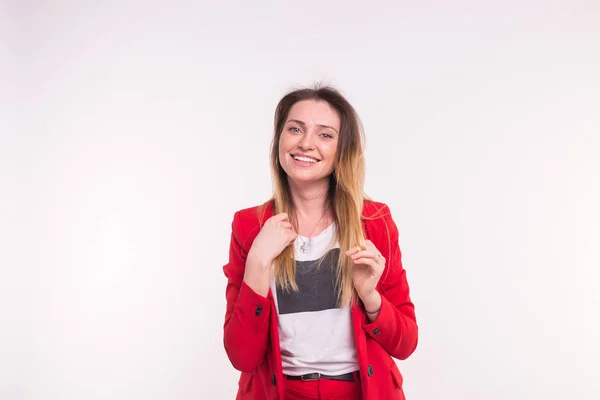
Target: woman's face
[308, 143]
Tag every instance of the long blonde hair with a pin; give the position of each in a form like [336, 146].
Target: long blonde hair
[346, 187]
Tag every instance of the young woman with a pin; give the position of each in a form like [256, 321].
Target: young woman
[317, 299]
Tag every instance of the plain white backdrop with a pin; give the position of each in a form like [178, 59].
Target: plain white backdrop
[132, 131]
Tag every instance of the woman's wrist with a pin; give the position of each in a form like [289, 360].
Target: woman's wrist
[256, 275]
[372, 302]
[256, 262]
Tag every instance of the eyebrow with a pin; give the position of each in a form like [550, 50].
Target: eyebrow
[303, 124]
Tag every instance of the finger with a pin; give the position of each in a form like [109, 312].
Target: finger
[292, 233]
[292, 236]
[369, 262]
[354, 250]
[365, 254]
[285, 224]
[281, 217]
[370, 246]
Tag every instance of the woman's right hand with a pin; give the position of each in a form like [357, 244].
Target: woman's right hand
[276, 234]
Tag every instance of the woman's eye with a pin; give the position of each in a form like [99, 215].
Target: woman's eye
[327, 135]
[294, 129]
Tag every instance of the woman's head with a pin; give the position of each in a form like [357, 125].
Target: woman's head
[318, 140]
[317, 137]
[308, 141]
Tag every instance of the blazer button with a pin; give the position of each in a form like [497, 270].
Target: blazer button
[376, 331]
[370, 370]
[258, 310]
[273, 380]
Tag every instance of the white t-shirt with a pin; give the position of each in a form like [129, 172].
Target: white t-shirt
[315, 335]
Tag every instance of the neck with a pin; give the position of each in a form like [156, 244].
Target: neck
[310, 200]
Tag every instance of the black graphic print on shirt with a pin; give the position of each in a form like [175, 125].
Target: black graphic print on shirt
[316, 284]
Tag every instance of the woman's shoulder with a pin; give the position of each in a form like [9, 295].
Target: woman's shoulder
[375, 209]
[255, 214]
[379, 223]
[248, 221]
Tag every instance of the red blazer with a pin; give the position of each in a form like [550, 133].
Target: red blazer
[251, 336]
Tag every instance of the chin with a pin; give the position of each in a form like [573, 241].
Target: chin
[308, 179]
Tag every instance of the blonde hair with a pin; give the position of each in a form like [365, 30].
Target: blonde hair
[346, 187]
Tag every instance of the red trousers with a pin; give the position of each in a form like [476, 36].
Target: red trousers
[323, 389]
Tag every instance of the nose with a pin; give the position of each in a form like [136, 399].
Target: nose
[307, 141]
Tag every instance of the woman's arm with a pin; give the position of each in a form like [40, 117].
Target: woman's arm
[246, 329]
[395, 327]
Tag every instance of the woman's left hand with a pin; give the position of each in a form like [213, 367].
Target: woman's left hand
[369, 265]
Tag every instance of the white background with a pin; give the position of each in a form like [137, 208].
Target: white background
[132, 131]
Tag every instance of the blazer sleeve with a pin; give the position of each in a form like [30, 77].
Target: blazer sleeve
[246, 329]
[395, 328]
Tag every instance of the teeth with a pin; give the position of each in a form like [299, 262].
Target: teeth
[305, 159]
